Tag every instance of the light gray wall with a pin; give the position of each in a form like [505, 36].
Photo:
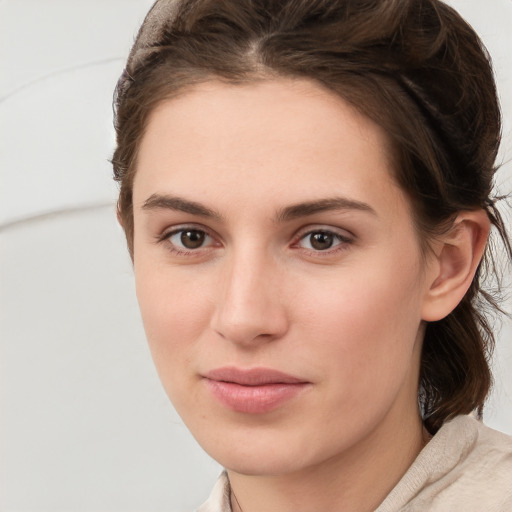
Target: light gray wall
[85, 425]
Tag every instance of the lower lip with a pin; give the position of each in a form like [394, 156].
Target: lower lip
[253, 399]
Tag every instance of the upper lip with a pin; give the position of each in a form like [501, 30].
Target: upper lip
[252, 376]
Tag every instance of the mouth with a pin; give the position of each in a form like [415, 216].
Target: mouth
[255, 390]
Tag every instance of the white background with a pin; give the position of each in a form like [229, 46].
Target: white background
[85, 425]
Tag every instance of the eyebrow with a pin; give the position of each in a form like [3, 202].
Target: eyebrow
[322, 205]
[166, 202]
[157, 202]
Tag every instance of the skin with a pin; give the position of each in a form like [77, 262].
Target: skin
[348, 320]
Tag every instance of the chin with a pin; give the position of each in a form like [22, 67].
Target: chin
[263, 451]
[266, 464]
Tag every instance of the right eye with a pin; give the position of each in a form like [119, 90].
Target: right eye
[188, 239]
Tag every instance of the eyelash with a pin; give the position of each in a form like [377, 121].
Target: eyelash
[167, 235]
[343, 241]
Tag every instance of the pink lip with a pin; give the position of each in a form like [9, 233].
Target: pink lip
[253, 391]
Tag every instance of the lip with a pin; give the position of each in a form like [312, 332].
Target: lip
[254, 390]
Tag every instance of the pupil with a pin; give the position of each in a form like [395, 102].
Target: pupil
[321, 241]
[192, 239]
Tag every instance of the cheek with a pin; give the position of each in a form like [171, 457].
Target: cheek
[175, 312]
[368, 318]
[365, 329]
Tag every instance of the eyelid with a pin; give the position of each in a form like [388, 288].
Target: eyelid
[345, 237]
[165, 236]
[192, 226]
[322, 228]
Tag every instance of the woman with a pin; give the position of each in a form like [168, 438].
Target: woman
[305, 191]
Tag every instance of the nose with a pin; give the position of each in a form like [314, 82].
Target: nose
[250, 308]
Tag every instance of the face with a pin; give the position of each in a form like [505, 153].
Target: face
[278, 272]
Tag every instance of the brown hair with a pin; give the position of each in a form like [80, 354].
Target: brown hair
[413, 66]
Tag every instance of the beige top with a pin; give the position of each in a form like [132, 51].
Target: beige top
[466, 466]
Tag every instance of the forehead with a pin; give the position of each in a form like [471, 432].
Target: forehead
[268, 139]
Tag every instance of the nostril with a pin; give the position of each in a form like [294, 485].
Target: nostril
[253, 330]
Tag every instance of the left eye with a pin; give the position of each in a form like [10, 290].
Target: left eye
[321, 240]
[189, 239]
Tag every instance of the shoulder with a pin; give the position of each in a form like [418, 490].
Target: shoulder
[465, 466]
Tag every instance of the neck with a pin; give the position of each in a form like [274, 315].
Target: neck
[356, 480]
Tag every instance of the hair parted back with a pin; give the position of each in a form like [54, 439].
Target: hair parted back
[415, 67]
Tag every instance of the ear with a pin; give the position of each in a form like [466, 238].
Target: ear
[454, 263]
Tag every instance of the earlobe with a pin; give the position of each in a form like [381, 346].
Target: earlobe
[457, 257]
